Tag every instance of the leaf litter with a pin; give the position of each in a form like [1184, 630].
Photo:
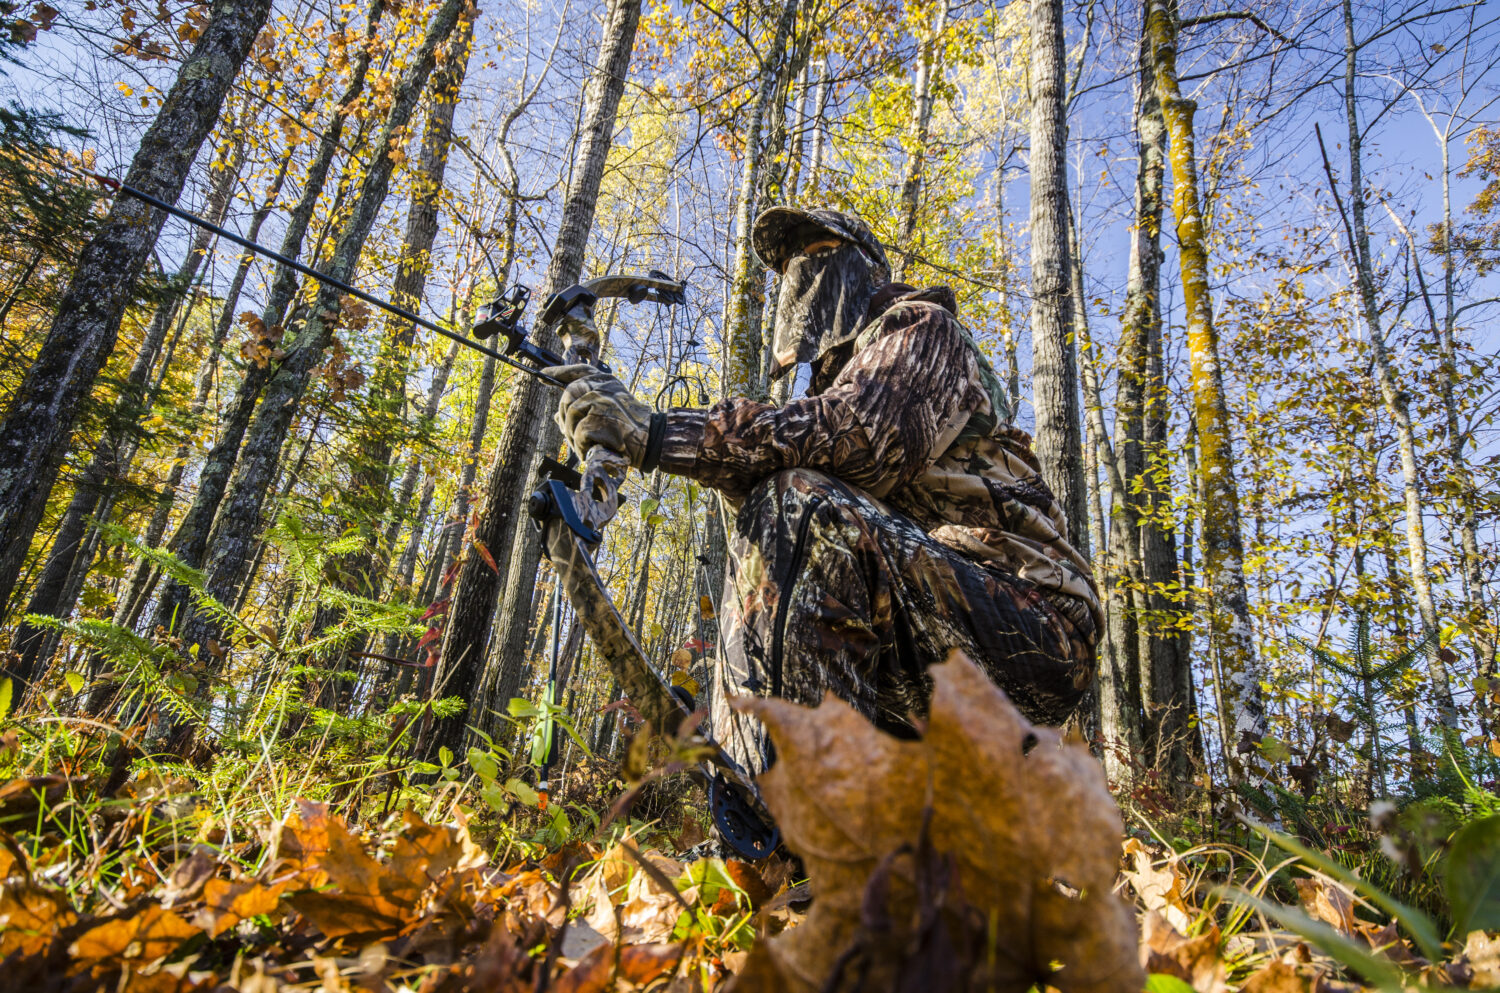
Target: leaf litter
[983, 855]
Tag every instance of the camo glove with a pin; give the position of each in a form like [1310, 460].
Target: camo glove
[596, 409]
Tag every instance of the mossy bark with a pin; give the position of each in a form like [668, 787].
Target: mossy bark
[1243, 718]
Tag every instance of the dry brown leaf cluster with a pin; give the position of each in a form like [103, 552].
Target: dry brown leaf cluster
[981, 855]
[1270, 961]
[418, 906]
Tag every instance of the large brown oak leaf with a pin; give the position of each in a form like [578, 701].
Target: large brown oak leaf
[980, 856]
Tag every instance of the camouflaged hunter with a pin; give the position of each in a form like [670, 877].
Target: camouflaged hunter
[889, 515]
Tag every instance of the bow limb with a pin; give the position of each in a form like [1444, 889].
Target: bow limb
[611, 637]
[733, 798]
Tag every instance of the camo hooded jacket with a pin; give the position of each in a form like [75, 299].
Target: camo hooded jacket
[916, 419]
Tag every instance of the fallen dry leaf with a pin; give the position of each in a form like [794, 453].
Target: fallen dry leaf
[11, 861]
[358, 903]
[650, 912]
[1195, 961]
[1483, 958]
[227, 903]
[605, 965]
[1327, 901]
[30, 917]
[189, 877]
[984, 852]
[346, 892]
[1386, 940]
[1278, 976]
[152, 934]
[1158, 889]
[754, 888]
[690, 834]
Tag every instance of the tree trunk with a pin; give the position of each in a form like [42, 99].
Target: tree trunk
[1243, 717]
[1140, 446]
[1395, 400]
[374, 448]
[1165, 642]
[239, 519]
[39, 424]
[1059, 441]
[190, 541]
[56, 591]
[143, 576]
[796, 158]
[406, 565]
[1116, 564]
[819, 125]
[777, 179]
[472, 608]
[1482, 634]
[369, 498]
[747, 294]
[929, 67]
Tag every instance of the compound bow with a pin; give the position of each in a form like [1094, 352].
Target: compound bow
[570, 507]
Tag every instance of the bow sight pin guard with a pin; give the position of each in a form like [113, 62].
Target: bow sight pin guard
[503, 314]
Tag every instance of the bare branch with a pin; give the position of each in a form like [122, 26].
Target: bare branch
[1237, 15]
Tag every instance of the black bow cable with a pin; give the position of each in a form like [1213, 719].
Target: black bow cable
[309, 271]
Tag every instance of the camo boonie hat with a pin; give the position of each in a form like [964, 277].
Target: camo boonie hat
[780, 231]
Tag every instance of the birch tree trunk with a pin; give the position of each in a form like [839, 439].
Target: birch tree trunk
[797, 156]
[929, 67]
[476, 589]
[1483, 632]
[743, 347]
[777, 184]
[1059, 438]
[1393, 398]
[1243, 714]
[1116, 565]
[40, 421]
[819, 129]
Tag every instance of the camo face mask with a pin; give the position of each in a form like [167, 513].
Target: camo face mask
[820, 304]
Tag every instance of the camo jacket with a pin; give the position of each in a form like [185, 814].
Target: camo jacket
[916, 419]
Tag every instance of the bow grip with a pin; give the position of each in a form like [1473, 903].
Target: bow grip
[599, 490]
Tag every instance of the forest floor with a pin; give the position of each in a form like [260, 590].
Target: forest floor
[262, 870]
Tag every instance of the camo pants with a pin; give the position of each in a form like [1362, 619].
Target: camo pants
[828, 590]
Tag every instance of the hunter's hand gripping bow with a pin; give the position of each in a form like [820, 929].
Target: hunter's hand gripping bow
[570, 507]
